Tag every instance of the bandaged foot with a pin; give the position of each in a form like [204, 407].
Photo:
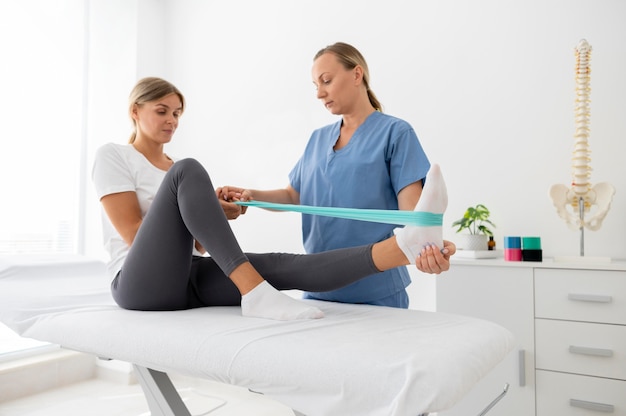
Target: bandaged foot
[434, 198]
[264, 301]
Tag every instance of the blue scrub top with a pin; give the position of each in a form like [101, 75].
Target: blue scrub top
[383, 156]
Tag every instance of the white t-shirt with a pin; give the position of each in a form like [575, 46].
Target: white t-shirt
[121, 168]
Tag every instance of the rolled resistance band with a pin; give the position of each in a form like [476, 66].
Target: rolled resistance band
[417, 218]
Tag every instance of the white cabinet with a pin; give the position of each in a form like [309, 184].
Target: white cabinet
[597, 396]
[569, 321]
[580, 329]
[503, 295]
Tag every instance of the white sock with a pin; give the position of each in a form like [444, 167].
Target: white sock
[434, 198]
[264, 301]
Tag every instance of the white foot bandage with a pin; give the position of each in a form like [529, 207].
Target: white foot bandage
[434, 198]
[264, 301]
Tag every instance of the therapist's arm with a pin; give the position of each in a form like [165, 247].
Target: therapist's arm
[409, 195]
[286, 195]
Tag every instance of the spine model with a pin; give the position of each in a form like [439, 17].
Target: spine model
[581, 196]
[581, 172]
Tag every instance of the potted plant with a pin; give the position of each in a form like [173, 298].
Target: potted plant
[476, 221]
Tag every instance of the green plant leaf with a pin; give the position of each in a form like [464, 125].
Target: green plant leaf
[475, 220]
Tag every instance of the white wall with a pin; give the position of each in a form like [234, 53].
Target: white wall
[488, 86]
[126, 42]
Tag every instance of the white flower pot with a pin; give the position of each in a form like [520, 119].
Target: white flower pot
[474, 242]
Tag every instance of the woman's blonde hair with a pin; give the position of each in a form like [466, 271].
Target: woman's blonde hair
[150, 89]
[350, 57]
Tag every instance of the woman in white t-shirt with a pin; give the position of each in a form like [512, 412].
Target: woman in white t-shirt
[161, 217]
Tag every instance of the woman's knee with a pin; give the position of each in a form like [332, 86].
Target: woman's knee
[188, 168]
[187, 165]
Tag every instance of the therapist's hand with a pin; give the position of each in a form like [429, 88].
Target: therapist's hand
[433, 260]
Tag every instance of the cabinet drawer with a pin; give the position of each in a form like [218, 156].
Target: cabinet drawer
[581, 295]
[568, 394]
[581, 348]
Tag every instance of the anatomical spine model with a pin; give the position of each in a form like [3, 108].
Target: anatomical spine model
[581, 196]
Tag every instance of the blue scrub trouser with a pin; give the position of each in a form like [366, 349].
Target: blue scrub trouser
[397, 300]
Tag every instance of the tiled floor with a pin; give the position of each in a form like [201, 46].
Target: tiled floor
[104, 398]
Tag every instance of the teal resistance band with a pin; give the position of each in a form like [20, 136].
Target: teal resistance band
[421, 218]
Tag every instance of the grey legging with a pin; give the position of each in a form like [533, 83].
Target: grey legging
[160, 272]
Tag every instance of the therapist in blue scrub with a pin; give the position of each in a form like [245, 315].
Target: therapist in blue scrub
[367, 159]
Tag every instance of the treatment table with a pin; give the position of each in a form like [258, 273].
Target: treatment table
[357, 360]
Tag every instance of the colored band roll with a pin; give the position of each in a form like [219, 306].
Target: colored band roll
[513, 242]
[532, 255]
[531, 243]
[513, 254]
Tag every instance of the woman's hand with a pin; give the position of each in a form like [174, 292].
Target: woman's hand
[232, 210]
[232, 193]
[199, 247]
[434, 261]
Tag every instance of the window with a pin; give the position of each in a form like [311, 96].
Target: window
[42, 107]
[13, 347]
[42, 72]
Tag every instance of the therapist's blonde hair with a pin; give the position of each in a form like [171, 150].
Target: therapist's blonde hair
[350, 57]
[150, 89]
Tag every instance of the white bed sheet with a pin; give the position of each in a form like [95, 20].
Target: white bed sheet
[358, 360]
